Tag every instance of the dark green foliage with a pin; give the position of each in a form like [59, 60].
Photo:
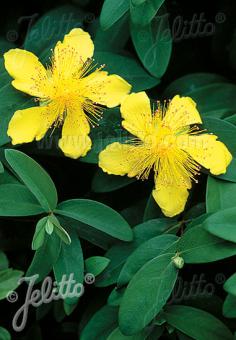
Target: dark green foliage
[145, 276]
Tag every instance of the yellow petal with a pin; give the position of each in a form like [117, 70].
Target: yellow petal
[181, 112]
[104, 89]
[29, 74]
[29, 124]
[207, 151]
[171, 193]
[137, 114]
[118, 159]
[75, 49]
[75, 141]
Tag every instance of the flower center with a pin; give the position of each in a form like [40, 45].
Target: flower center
[160, 141]
[68, 90]
[160, 150]
[165, 141]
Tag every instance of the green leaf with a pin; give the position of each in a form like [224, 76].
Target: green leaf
[4, 263]
[34, 177]
[109, 131]
[195, 211]
[114, 38]
[225, 91]
[222, 224]
[128, 68]
[5, 77]
[229, 310]
[17, 200]
[97, 215]
[103, 182]
[196, 323]
[69, 308]
[138, 2]
[49, 227]
[64, 236]
[199, 246]
[45, 257]
[200, 86]
[152, 210]
[231, 172]
[9, 281]
[231, 119]
[51, 28]
[1, 168]
[117, 335]
[88, 233]
[220, 113]
[5, 45]
[39, 234]
[4, 334]
[96, 264]
[156, 333]
[70, 262]
[220, 195]
[230, 285]
[224, 130]
[115, 296]
[143, 13]
[146, 294]
[134, 213]
[8, 178]
[144, 253]
[191, 83]
[153, 44]
[119, 253]
[61, 232]
[101, 324]
[197, 221]
[112, 11]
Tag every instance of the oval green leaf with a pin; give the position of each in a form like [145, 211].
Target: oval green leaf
[17, 200]
[119, 253]
[146, 294]
[96, 264]
[34, 177]
[222, 224]
[70, 263]
[98, 216]
[153, 44]
[220, 195]
[128, 68]
[144, 253]
[101, 324]
[112, 11]
[41, 264]
[199, 246]
[197, 323]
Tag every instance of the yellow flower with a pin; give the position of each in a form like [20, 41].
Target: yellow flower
[169, 143]
[70, 93]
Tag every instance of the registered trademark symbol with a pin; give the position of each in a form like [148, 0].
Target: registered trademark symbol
[220, 278]
[220, 18]
[89, 278]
